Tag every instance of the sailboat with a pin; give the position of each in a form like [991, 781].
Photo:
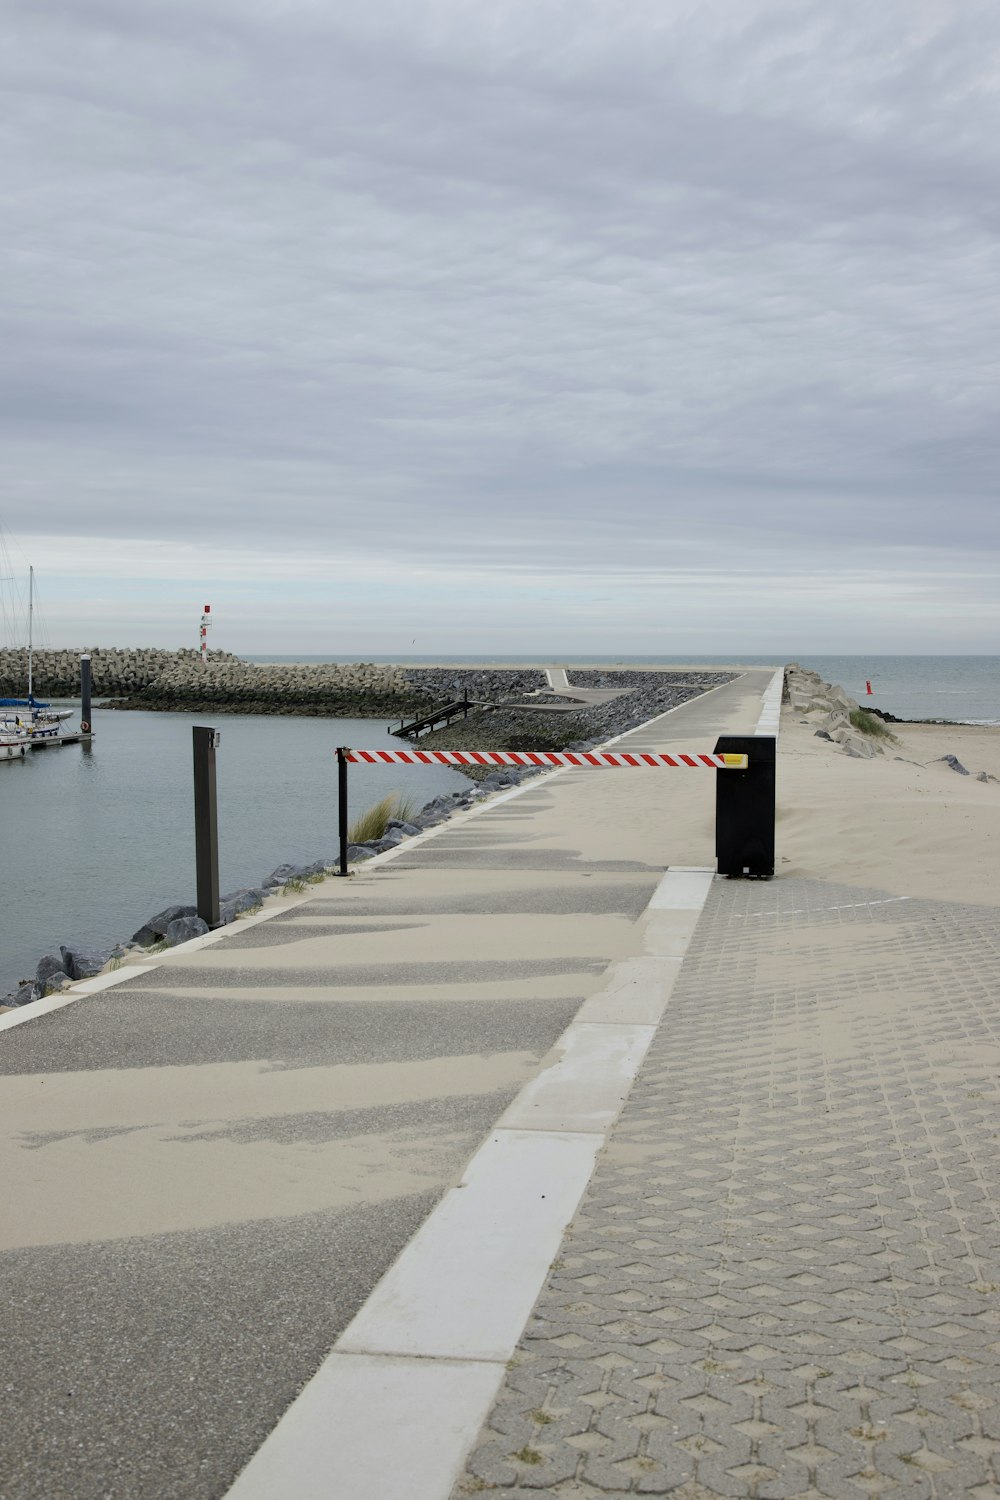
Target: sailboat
[27, 719]
[13, 743]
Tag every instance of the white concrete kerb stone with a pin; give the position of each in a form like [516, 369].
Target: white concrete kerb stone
[769, 720]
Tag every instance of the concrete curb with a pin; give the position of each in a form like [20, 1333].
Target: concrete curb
[770, 714]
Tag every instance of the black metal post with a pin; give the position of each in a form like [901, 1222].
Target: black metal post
[744, 808]
[342, 804]
[85, 695]
[206, 824]
[466, 700]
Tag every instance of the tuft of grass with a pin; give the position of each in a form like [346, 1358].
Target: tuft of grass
[295, 885]
[528, 1456]
[867, 723]
[373, 823]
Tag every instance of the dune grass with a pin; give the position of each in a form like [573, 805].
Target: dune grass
[867, 723]
[373, 823]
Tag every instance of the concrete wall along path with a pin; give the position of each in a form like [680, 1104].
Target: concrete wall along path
[213, 1159]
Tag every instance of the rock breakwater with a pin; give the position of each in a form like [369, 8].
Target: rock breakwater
[835, 715]
[115, 670]
[582, 727]
[153, 679]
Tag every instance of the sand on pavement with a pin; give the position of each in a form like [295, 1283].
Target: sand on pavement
[904, 822]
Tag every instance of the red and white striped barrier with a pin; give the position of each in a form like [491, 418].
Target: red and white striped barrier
[635, 759]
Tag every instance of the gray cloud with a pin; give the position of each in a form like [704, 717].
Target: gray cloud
[411, 281]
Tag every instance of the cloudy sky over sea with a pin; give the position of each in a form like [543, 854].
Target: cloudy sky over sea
[447, 325]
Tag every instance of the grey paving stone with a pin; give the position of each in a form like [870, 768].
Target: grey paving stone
[784, 1279]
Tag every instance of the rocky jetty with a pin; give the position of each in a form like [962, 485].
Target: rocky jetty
[506, 728]
[177, 681]
[349, 690]
[838, 718]
[115, 670]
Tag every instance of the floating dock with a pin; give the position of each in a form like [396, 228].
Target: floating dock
[43, 741]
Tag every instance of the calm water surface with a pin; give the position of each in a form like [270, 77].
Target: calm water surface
[98, 840]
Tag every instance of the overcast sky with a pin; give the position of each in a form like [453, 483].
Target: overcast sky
[505, 325]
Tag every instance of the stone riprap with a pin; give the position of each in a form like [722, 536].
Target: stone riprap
[177, 680]
[807, 693]
[114, 670]
[483, 685]
[647, 695]
[355, 689]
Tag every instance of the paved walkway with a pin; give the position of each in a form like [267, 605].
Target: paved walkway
[783, 1278]
[210, 1164]
[781, 1281]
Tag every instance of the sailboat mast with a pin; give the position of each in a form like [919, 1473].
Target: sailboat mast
[31, 614]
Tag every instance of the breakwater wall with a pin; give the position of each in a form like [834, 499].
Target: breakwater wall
[835, 715]
[149, 678]
[115, 669]
[583, 726]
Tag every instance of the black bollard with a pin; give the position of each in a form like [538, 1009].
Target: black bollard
[744, 808]
[206, 824]
[85, 695]
[342, 805]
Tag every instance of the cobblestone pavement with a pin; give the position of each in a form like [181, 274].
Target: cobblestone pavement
[783, 1280]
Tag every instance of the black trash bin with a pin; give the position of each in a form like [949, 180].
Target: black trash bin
[744, 808]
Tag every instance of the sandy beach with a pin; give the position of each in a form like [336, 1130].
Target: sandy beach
[904, 822]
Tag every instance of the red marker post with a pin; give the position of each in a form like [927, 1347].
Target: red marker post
[203, 637]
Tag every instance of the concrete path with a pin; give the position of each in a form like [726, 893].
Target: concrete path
[211, 1163]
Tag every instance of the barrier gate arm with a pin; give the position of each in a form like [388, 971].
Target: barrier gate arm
[580, 759]
[719, 760]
